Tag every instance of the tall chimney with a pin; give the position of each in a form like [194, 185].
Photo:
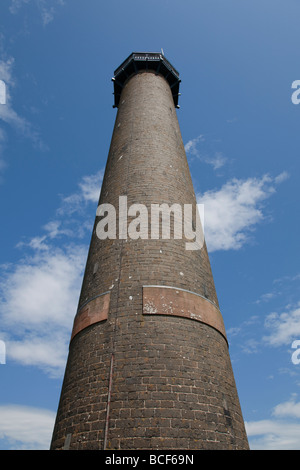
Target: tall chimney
[148, 364]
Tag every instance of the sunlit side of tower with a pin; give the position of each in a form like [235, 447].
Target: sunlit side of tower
[148, 364]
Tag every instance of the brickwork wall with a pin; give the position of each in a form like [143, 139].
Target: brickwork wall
[172, 385]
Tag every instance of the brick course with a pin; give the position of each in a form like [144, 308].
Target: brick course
[172, 385]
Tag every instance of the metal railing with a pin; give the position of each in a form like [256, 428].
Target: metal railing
[146, 56]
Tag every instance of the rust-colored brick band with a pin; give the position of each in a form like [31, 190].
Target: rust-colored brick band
[161, 300]
[94, 311]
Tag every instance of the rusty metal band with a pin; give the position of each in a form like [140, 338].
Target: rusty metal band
[166, 300]
[93, 311]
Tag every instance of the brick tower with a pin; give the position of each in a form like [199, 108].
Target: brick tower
[148, 364]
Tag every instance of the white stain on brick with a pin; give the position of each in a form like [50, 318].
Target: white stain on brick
[149, 307]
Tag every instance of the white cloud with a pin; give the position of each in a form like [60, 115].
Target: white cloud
[39, 295]
[213, 158]
[71, 216]
[38, 302]
[90, 186]
[232, 212]
[288, 279]
[282, 177]
[26, 428]
[16, 5]
[40, 290]
[7, 112]
[266, 297]
[250, 346]
[283, 327]
[89, 192]
[191, 145]
[6, 67]
[217, 160]
[282, 288]
[290, 408]
[5, 76]
[274, 433]
[271, 434]
[47, 8]
[46, 352]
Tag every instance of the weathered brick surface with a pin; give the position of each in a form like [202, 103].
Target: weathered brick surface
[172, 383]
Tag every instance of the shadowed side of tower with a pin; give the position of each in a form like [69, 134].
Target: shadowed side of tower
[148, 364]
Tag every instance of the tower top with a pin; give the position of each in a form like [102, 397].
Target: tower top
[138, 61]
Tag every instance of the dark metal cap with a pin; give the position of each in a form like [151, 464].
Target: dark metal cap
[137, 61]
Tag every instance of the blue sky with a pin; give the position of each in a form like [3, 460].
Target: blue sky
[237, 62]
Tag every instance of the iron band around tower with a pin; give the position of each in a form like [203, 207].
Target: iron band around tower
[157, 300]
[165, 300]
[93, 311]
[138, 61]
